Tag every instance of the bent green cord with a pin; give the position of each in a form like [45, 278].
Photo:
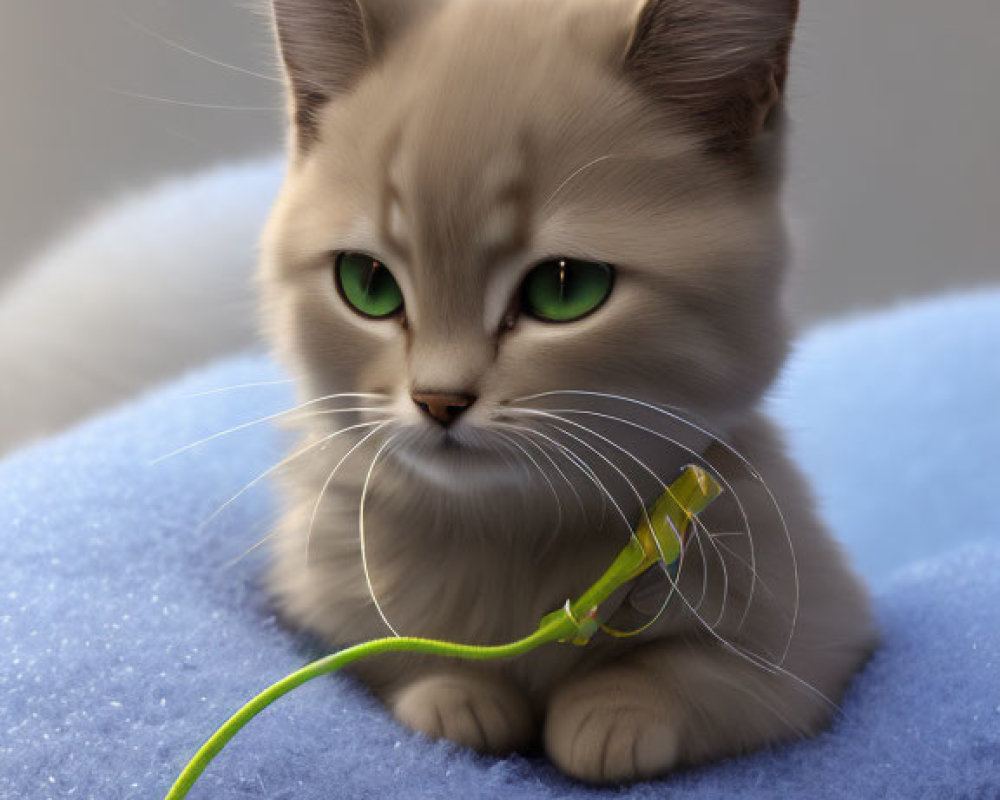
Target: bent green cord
[659, 538]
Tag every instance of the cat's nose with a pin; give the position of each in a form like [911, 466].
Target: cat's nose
[443, 408]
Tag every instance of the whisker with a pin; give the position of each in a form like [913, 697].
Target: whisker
[555, 415]
[700, 528]
[749, 656]
[726, 445]
[259, 421]
[361, 535]
[279, 465]
[189, 103]
[573, 458]
[725, 581]
[254, 547]
[672, 411]
[600, 484]
[640, 499]
[512, 458]
[513, 461]
[716, 537]
[581, 463]
[352, 410]
[579, 500]
[601, 488]
[184, 49]
[552, 488]
[664, 488]
[701, 457]
[238, 386]
[621, 474]
[704, 572]
[767, 706]
[574, 175]
[329, 480]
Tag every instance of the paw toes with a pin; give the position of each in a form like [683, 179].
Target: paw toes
[606, 737]
[618, 762]
[471, 711]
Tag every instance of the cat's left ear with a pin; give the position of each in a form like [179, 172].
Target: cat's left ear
[328, 45]
[724, 62]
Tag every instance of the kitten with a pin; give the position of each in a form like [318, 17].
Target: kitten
[527, 262]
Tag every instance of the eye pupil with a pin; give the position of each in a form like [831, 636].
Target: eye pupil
[566, 289]
[371, 277]
[368, 286]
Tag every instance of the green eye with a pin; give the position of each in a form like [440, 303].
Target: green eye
[367, 286]
[565, 290]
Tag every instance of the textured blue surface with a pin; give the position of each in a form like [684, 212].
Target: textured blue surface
[127, 635]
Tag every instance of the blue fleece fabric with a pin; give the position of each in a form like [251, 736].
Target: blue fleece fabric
[127, 633]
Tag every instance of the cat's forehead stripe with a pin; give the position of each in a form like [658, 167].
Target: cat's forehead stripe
[495, 209]
[506, 185]
[393, 222]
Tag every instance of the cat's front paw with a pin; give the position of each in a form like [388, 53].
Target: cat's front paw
[475, 711]
[607, 728]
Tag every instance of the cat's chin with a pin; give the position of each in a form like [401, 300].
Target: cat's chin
[456, 462]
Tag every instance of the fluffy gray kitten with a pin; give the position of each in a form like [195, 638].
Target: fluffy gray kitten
[527, 263]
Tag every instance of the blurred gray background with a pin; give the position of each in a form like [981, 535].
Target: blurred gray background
[895, 175]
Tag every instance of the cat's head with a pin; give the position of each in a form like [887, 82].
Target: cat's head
[493, 199]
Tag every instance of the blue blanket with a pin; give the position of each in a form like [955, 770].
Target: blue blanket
[128, 632]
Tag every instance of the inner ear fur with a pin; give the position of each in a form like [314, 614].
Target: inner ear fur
[724, 62]
[327, 46]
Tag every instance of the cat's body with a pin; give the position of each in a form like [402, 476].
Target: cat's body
[460, 144]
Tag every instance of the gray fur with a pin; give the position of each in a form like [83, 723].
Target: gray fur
[483, 137]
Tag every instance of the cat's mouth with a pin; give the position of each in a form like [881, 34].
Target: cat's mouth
[454, 456]
[454, 444]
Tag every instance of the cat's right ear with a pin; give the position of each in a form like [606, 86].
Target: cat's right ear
[327, 45]
[725, 61]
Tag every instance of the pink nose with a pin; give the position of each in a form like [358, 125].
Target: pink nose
[442, 407]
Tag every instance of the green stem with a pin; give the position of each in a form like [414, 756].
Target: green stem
[658, 538]
[549, 633]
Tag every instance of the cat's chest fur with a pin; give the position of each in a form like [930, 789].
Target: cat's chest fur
[477, 570]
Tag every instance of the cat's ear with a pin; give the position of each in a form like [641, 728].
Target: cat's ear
[327, 45]
[724, 61]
